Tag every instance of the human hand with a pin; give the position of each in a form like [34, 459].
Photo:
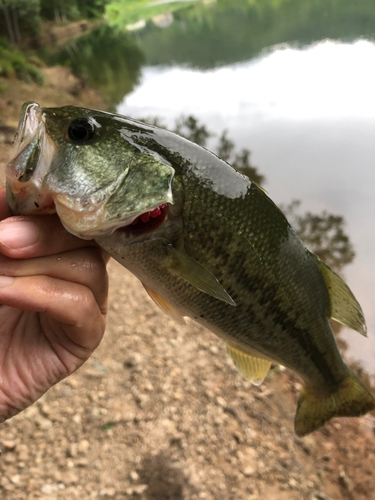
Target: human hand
[53, 296]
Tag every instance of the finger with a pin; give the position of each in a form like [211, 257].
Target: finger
[35, 236]
[70, 315]
[4, 212]
[85, 266]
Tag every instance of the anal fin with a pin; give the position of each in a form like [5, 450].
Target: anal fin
[165, 306]
[252, 367]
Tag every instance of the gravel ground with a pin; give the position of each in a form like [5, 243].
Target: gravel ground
[160, 413]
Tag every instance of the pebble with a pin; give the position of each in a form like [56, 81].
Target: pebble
[133, 360]
[8, 445]
[134, 476]
[248, 471]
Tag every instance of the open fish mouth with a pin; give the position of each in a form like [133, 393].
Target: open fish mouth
[91, 223]
[30, 162]
[147, 221]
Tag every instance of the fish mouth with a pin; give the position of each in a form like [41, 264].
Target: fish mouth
[30, 161]
[88, 223]
[147, 221]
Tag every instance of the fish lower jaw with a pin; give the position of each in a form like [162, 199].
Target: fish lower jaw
[23, 201]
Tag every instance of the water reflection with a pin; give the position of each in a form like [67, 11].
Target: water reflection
[110, 61]
[229, 31]
[133, 15]
[206, 34]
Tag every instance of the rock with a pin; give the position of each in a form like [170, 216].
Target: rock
[7, 445]
[345, 481]
[83, 446]
[292, 483]
[47, 489]
[221, 401]
[248, 471]
[134, 476]
[133, 360]
[137, 489]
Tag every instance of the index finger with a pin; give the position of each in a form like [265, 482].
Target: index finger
[24, 237]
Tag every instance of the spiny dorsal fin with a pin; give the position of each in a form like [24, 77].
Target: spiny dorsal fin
[165, 306]
[344, 306]
[194, 273]
[253, 368]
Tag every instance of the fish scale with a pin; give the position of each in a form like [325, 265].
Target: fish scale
[216, 249]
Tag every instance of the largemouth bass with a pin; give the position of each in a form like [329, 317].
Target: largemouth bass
[205, 241]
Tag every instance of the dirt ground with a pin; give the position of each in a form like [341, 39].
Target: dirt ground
[160, 413]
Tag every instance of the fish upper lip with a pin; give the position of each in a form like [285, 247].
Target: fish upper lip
[28, 126]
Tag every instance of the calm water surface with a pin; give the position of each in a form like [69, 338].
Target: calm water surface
[308, 117]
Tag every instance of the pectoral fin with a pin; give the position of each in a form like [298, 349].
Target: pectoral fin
[251, 367]
[344, 306]
[165, 306]
[194, 273]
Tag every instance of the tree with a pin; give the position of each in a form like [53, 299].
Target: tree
[324, 234]
[20, 17]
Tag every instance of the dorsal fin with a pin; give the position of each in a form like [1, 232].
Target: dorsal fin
[344, 306]
[165, 306]
[252, 367]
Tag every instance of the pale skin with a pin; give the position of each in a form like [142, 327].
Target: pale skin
[53, 303]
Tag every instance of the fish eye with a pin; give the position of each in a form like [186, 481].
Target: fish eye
[81, 130]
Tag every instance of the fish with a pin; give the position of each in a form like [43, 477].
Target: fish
[205, 241]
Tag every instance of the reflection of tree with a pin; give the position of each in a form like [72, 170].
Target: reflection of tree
[230, 31]
[109, 61]
[121, 13]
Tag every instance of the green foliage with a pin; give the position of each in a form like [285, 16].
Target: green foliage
[109, 62]
[124, 12]
[19, 18]
[72, 10]
[13, 62]
[324, 234]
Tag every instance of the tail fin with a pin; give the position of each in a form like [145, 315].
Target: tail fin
[351, 399]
